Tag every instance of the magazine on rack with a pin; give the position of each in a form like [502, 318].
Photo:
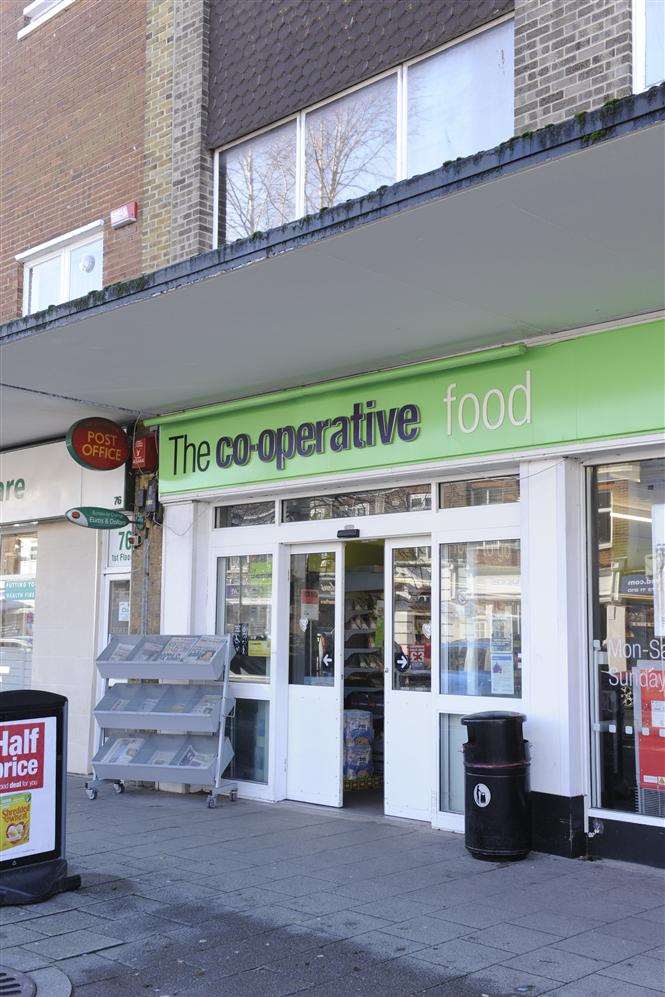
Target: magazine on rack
[204, 649]
[191, 758]
[151, 648]
[123, 751]
[178, 648]
[205, 706]
[162, 756]
[123, 651]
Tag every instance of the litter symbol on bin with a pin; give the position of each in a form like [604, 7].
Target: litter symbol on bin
[481, 794]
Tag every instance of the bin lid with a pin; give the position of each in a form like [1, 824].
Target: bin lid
[492, 716]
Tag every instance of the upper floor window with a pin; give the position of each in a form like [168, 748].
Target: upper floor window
[412, 119]
[62, 269]
[39, 11]
[648, 43]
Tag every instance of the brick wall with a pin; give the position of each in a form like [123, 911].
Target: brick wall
[71, 106]
[158, 134]
[570, 56]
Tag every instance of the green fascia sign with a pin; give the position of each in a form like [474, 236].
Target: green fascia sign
[95, 518]
[593, 387]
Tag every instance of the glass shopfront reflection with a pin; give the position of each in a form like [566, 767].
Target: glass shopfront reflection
[481, 619]
[627, 536]
[18, 577]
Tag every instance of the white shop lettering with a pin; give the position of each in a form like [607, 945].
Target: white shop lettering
[469, 410]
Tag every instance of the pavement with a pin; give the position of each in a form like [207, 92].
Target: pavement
[274, 899]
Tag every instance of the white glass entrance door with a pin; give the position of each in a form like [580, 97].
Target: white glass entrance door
[316, 674]
[408, 678]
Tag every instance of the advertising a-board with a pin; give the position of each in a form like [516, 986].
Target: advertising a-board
[27, 788]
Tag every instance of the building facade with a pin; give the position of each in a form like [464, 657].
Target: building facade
[401, 460]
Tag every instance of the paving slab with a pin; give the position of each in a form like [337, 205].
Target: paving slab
[273, 899]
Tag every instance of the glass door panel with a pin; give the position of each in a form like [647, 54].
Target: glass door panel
[314, 735]
[627, 537]
[244, 609]
[408, 669]
[312, 619]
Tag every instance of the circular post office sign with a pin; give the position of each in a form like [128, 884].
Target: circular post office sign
[98, 444]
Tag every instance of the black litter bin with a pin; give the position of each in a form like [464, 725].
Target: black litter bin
[496, 811]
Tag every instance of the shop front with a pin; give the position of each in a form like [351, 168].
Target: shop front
[59, 593]
[393, 551]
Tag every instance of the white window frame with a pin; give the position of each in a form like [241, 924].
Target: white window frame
[39, 12]
[62, 247]
[401, 74]
[639, 25]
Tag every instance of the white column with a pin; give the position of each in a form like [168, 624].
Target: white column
[179, 567]
[554, 624]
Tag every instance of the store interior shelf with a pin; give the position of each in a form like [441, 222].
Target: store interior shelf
[169, 708]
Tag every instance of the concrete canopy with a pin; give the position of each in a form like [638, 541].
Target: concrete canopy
[508, 246]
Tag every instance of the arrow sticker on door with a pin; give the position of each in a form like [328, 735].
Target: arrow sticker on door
[401, 662]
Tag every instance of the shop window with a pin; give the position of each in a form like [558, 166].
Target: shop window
[118, 618]
[628, 657]
[452, 736]
[244, 610]
[63, 269]
[414, 118]
[350, 145]
[412, 618]
[18, 576]
[410, 498]
[258, 183]
[648, 43]
[312, 619]
[39, 12]
[481, 622]
[247, 514]
[460, 100]
[479, 491]
[248, 732]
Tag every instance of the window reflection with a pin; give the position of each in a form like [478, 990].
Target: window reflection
[350, 145]
[382, 501]
[412, 618]
[244, 605]
[312, 619]
[259, 183]
[628, 668]
[18, 566]
[481, 626]
[461, 100]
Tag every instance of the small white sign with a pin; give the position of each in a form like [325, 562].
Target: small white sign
[123, 612]
[481, 795]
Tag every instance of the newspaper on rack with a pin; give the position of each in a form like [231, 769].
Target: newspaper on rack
[123, 750]
[191, 758]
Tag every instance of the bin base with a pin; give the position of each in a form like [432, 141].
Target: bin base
[30, 884]
[478, 853]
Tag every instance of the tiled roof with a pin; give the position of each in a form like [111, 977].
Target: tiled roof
[269, 58]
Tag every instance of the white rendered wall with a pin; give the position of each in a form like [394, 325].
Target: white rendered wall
[554, 607]
[66, 608]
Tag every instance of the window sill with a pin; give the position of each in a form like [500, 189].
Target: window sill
[43, 18]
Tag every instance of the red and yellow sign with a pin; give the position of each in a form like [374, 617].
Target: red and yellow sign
[98, 444]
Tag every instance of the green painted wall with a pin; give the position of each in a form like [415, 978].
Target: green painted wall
[593, 387]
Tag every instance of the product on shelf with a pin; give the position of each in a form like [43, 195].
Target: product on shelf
[357, 761]
[191, 758]
[160, 757]
[358, 727]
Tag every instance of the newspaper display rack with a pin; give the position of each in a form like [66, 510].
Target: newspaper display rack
[163, 713]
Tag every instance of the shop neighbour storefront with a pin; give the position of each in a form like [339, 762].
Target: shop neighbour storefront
[395, 550]
[62, 590]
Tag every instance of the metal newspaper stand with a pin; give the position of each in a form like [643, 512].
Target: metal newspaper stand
[164, 717]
